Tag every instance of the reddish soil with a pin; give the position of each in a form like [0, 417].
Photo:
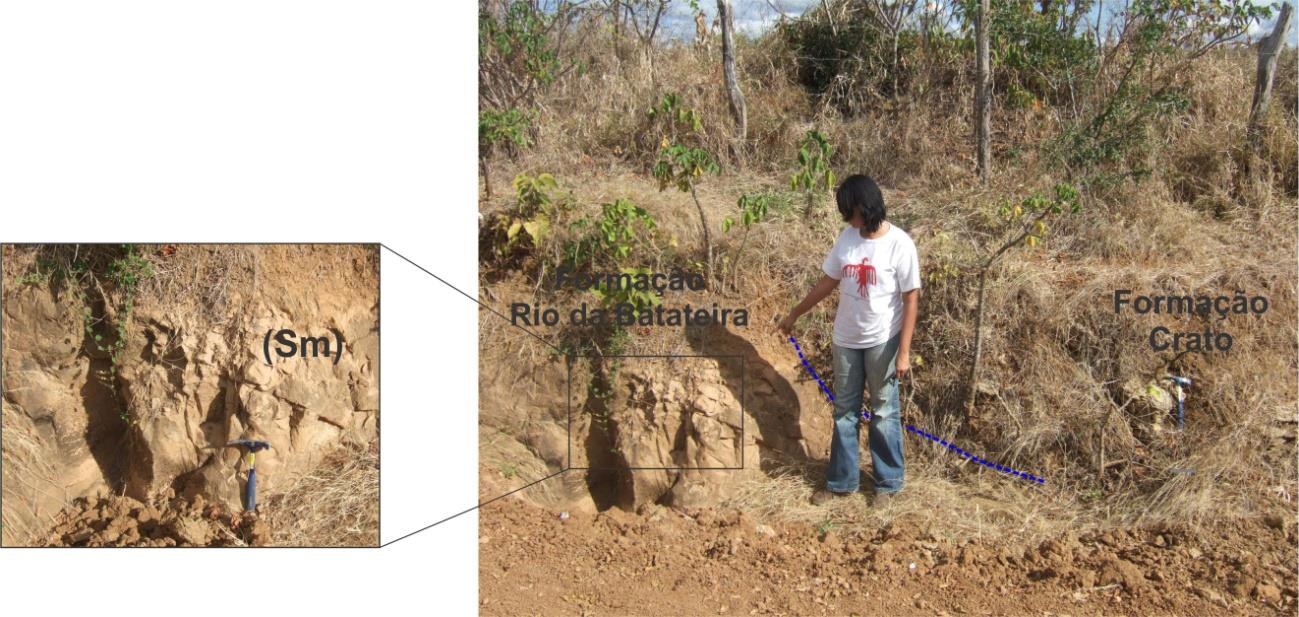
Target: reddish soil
[122, 521]
[667, 562]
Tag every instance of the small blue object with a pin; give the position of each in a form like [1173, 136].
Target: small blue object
[1180, 384]
[253, 446]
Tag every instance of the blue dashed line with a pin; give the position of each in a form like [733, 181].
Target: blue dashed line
[829, 395]
[950, 446]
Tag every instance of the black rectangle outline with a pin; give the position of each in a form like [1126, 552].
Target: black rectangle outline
[378, 247]
[744, 369]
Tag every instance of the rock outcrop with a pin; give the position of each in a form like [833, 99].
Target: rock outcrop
[692, 427]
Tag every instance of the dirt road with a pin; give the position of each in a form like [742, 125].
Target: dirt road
[666, 562]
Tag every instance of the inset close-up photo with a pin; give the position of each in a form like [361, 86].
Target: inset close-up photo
[193, 395]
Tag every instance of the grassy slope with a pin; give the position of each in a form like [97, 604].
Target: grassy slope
[1056, 352]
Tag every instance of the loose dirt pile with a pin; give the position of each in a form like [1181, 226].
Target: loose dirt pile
[337, 504]
[707, 561]
[167, 521]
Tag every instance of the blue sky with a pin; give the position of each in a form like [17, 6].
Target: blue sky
[754, 17]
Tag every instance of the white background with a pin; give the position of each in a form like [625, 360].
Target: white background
[274, 121]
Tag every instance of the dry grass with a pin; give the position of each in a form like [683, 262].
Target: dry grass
[336, 504]
[976, 507]
[202, 278]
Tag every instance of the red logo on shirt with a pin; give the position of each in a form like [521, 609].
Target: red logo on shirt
[864, 272]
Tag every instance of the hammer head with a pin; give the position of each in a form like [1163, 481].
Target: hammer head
[1185, 382]
[253, 445]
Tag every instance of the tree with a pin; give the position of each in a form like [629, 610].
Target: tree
[982, 94]
[1141, 81]
[519, 56]
[1267, 52]
[682, 166]
[814, 174]
[1028, 215]
[753, 210]
[891, 16]
[519, 53]
[738, 109]
[644, 17]
[500, 130]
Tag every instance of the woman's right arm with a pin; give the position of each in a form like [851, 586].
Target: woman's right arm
[823, 288]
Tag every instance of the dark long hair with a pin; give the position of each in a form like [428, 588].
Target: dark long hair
[859, 193]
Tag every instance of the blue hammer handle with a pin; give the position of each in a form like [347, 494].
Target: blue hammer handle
[250, 496]
[254, 446]
[1182, 384]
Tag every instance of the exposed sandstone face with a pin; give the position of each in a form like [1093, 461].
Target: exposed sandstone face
[46, 451]
[189, 379]
[688, 420]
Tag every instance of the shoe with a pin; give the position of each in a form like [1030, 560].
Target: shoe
[882, 500]
[821, 496]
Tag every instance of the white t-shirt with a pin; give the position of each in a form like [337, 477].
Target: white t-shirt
[872, 276]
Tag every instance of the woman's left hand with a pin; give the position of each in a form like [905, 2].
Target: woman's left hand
[903, 365]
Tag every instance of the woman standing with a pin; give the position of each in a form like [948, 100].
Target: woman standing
[876, 268]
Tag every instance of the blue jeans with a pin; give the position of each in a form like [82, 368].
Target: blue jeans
[855, 369]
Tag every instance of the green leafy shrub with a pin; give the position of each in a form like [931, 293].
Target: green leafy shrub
[673, 119]
[613, 234]
[753, 210]
[1039, 52]
[847, 61]
[508, 130]
[125, 273]
[641, 299]
[519, 52]
[1143, 85]
[523, 229]
[681, 167]
[814, 175]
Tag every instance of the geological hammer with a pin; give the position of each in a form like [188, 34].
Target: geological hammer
[1179, 385]
[253, 446]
